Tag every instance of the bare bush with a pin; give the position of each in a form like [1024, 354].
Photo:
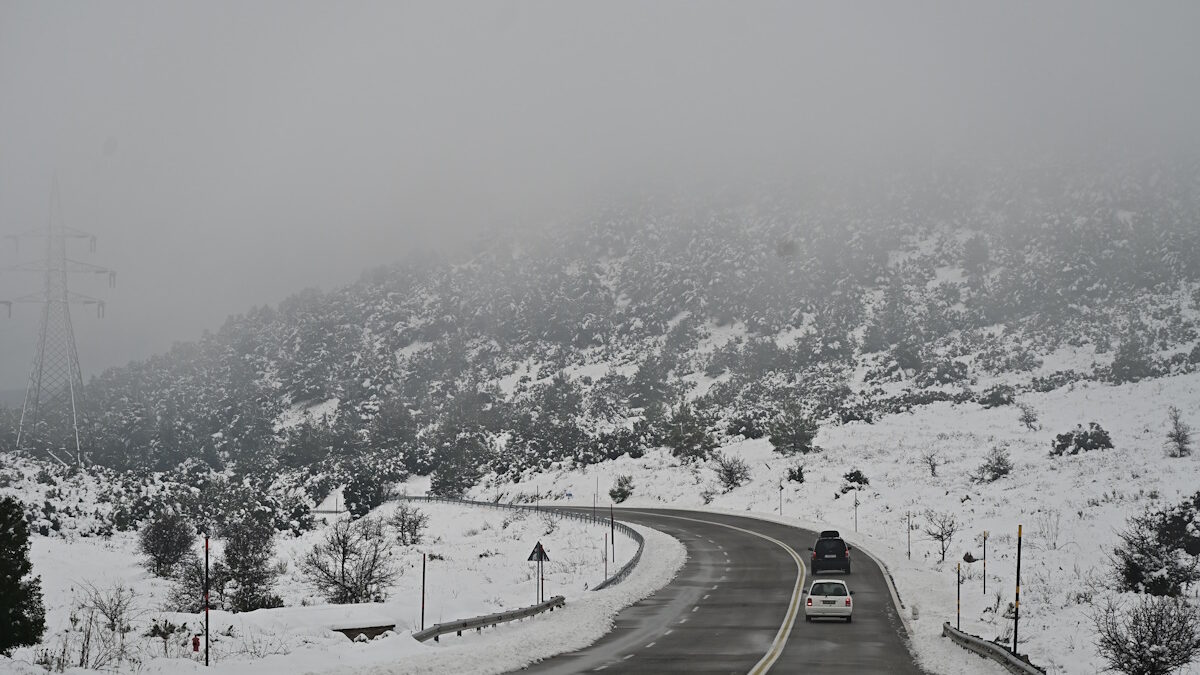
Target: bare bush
[1048, 526]
[353, 564]
[932, 460]
[1154, 636]
[1029, 416]
[101, 621]
[409, 523]
[941, 528]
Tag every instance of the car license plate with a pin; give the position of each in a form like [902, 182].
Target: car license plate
[830, 555]
[829, 602]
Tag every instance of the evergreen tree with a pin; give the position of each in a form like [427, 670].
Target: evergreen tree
[792, 431]
[393, 430]
[687, 434]
[459, 458]
[165, 540]
[249, 545]
[22, 615]
[1132, 361]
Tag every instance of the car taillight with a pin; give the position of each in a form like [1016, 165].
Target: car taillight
[847, 602]
[814, 556]
[810, 602]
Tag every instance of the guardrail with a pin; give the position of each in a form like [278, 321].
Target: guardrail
[1012, 662]
[582, 516]
[481, 622]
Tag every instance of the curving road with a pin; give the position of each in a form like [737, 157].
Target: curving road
[734, 608]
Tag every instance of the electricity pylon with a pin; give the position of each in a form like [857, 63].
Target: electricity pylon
[50, 417]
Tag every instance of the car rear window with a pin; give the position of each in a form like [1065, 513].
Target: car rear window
[825, 546]
[828, 589]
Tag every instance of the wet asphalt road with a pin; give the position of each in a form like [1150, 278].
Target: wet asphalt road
[728, 609]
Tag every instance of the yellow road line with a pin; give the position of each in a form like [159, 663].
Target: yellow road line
[785, 629]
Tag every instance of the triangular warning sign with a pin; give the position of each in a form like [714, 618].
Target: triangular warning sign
[539, 554]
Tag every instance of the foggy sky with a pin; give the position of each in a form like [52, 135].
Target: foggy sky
[228, 154]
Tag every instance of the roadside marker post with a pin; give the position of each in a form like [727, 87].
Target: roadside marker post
[206, 599]
[1017, 598]
[985, 538]
[612, 535]
[958, 596]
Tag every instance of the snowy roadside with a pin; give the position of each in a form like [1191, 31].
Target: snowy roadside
[587, 617]
[477, 565]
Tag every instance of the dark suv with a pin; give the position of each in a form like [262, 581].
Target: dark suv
[830, 553]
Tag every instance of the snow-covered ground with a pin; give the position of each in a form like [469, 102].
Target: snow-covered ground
[1070, 508]
[477, 565]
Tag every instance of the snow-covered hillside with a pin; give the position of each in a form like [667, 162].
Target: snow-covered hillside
[1070, 507]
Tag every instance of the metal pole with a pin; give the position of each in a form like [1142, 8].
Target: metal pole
[985, 536]
[612, 525]
[958, 596]
[423, 555]
[605, 555]
[781, 499]
[206, 599]
[1017, 599]
[856, 510]
[909, 514]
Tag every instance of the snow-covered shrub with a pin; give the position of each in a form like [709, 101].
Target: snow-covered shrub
[795, 473]
[997, 465]
[1149, 636]
[731, 470]
[187, 584]
[1159, 551]
[1094, 437]
[943, 372]
[353, 564]
[622, 489]
[165, 539]
[749, 425]
[855, 480]
[1001, 394]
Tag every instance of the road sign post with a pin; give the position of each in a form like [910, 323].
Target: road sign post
[539, 581]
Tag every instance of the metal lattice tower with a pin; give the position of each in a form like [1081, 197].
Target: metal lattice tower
[50, 417]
